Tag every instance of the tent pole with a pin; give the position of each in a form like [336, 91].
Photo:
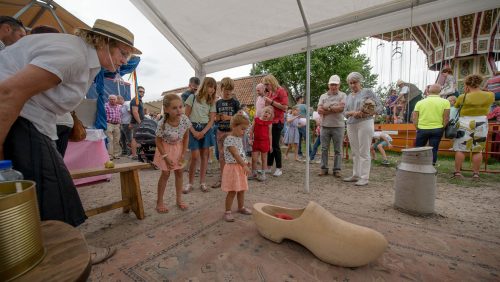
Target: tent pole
[308, 104]
[24, 9]
[308, 90]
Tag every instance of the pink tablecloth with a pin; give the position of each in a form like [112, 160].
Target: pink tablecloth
[87, 154]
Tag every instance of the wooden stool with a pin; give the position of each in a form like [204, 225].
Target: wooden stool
[130, 187]
[67, 257]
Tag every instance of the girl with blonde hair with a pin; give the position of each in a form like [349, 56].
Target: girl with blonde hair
[201, 111]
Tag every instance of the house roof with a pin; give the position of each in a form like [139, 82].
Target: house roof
[244, 89]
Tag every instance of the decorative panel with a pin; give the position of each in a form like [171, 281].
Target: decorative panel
[465, 48]
[466, 25]
[465, 67]
[482, 45]
[483, 66]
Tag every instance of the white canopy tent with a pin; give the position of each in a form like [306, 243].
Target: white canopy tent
[215, 35]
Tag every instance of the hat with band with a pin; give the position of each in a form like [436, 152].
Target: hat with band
[114, 31]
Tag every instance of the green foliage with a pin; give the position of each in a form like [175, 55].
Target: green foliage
[340, 59]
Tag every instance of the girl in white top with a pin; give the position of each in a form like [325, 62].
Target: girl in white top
[171, 143]
[234, 177]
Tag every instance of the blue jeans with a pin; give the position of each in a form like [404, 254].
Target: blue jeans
[433, 136]
[302, 135]
[317, 143]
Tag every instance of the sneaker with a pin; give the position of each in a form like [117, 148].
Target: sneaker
[351, 179]
[278, 172]
[228, 217]
[337, 174]
[135, 158]
[386, 162]
[261, 178]
[361, 182]
[267, 170]
[188, 188]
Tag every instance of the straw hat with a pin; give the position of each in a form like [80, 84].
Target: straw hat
[114, 31]
[399, 82]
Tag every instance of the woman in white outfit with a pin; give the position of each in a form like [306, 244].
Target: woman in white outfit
[360, 126]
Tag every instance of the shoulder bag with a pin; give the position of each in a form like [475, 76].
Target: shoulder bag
[78, 132]
[451, 128]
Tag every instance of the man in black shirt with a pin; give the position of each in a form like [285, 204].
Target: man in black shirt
[137, 111]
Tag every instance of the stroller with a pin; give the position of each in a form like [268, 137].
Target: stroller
[145, 137]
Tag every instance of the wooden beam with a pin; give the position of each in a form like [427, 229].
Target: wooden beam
[116, 205]
[82, 173]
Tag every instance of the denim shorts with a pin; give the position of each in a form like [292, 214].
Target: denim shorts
[205, 142]
[384, 144]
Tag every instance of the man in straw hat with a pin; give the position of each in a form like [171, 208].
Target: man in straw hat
[45, 76]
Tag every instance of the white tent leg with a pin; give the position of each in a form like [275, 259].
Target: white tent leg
[308, 103]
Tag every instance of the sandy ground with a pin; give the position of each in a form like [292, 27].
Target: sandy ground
[468, 212]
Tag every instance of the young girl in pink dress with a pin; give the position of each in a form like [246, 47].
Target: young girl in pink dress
[261, 141]
[171, 144]
[234, 175]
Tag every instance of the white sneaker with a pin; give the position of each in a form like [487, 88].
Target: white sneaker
[278, 172]
[351, 179]
[361, 182]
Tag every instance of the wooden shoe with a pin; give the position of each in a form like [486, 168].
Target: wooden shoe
[329, 238]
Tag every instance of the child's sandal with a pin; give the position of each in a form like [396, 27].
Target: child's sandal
[475, 176]
[228, 216]
[187, 189]
[457, 175]
[203, 187]
[245, 211]
[182, 206]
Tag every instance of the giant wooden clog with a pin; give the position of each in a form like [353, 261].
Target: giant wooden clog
[331, 239]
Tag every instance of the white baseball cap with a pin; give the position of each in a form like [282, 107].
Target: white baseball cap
[334, 79]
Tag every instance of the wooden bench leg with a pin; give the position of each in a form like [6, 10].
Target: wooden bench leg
[125, 180]
[134, 192]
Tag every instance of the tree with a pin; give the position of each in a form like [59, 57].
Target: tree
[340, 59]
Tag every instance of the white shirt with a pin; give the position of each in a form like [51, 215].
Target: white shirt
[404, 90]
[69, 58]
[125, 112]
[65, 119]
[2, 45]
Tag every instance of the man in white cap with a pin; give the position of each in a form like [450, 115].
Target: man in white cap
[50, 76]
[331, 108]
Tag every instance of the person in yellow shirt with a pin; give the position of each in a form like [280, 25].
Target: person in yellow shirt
[473, 131]
[430, 117]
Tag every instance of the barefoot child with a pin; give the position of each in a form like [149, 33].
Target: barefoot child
[171, 143]
[292, 134]
[234, 176]
[382, 140]
[261, 141]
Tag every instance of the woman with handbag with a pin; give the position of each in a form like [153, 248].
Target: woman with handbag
[473, 124]
[43, 76]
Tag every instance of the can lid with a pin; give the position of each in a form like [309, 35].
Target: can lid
[5, 164]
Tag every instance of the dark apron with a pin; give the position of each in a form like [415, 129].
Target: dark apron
[36, 156]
